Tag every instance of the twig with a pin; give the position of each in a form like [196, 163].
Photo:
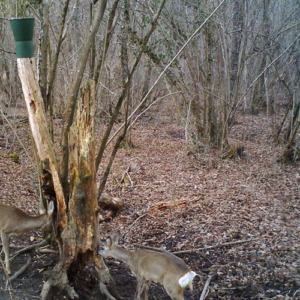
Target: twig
[296, 293]
[240, 99]
[135, 221]
[264, 210]
[232, 288]
[204, 292]
[21, 271]
[149, 106]
[215, 246]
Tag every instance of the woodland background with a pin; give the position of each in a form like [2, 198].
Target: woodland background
[213, 157]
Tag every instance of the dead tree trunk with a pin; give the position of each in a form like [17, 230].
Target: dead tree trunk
[76, 223]
[80, 237]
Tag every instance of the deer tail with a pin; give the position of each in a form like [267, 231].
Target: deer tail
[187, 280]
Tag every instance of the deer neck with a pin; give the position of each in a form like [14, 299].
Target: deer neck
[34, 222]
[124, 255]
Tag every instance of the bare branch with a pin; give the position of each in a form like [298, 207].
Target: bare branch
[168, 66]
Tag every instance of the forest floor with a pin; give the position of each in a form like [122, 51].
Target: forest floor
[180, 201]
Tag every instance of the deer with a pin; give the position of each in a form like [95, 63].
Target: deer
[152, 266]
[14, 222]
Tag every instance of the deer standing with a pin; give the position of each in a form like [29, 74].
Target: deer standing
[152, 266]
[14, 221]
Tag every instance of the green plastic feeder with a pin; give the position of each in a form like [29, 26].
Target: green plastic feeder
[23, 34]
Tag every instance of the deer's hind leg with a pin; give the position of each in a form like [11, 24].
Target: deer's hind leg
[175, 292]
[5, 241]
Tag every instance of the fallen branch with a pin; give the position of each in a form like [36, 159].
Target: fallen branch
[21, 271]
[204, 292]
[215, 246]
[31, 247]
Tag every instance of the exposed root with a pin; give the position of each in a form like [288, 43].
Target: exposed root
[290, 155]
[60, 281]
[31, 247]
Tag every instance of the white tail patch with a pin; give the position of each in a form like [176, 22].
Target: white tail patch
[186, 279]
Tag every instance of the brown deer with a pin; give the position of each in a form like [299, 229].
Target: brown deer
[14, 221]
[152, 266]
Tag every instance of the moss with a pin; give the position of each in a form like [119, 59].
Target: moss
[14, 157]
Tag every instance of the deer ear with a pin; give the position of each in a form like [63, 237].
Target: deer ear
[50, 208]
[108, 242]
[116, 237]
[42, 210]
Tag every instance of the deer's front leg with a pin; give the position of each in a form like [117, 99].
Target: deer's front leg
[5, 241]
[145, 288]
[140, 288]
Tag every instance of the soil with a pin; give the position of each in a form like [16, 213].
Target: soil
[178, 200]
